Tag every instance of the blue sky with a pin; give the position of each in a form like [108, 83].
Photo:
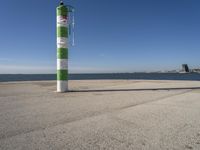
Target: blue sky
[110, 35]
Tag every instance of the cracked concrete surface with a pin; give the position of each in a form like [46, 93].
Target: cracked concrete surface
[34, 117]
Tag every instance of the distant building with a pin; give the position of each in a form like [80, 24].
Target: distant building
[196, 70]
[185, 68]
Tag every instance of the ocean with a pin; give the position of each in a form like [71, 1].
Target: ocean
[102, 76]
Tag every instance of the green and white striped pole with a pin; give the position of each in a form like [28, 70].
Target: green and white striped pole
[62, 48]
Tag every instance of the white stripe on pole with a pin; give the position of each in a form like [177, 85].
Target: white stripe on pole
[61, 39]
[61, 21]
[62, 86]
[62, 42]
[60, 45]
[62, 64]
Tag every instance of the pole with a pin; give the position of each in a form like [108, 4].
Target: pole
[62, 48]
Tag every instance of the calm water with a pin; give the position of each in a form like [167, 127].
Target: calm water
[147, 76]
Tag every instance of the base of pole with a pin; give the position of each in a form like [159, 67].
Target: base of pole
[62, 86]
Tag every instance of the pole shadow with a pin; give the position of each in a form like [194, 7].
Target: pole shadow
[145, 89]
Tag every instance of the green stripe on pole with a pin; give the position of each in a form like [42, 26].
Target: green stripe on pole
[62, 74]
[62, 11]
[62, 53]
[62, 32]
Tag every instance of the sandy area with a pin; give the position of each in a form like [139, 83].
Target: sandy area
[100, 114]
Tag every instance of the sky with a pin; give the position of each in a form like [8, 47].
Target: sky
[110, 35]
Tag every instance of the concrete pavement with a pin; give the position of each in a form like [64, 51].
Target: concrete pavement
[34, 117]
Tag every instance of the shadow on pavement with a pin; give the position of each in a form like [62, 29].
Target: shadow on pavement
[146, 89]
